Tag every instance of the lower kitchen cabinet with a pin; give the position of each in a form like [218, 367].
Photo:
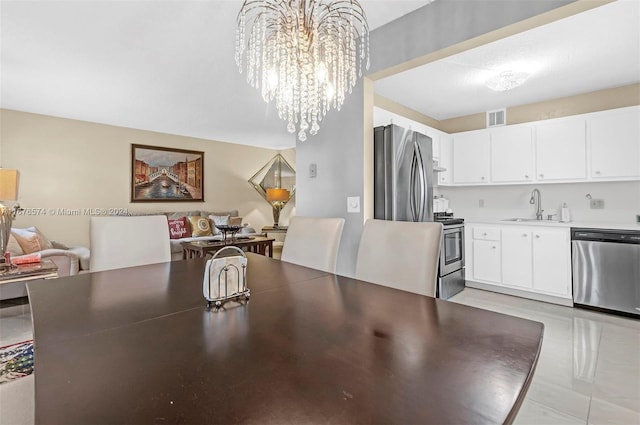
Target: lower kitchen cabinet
[486, 260]
[517, 252]
[532, 261]
[552, 262]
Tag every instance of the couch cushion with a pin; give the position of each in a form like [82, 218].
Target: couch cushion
[235, 221]
[230, 213]
[200, 226]
[179, 228]
[179, 214]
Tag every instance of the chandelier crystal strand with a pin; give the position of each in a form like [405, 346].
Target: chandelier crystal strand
[305, 55]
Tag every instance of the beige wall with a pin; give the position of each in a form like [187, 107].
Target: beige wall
[601, 100]
[68, 164]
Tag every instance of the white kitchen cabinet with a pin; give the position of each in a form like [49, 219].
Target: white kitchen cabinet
[517, 254]
[561, 150]
[532, 261]
[435, 141]
[551, 261]
[511, 154]
[614, 138]
[486, 260]
[445, 160]
[471, 157]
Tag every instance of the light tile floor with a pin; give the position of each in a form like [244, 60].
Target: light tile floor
[589, 366]
[588, 372]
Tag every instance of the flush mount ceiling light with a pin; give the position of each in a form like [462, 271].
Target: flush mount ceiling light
[506, 80]
[305, 54]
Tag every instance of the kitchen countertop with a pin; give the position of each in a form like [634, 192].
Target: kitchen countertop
[555, 223]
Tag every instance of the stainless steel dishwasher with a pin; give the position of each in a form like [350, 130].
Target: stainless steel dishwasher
[606, 269]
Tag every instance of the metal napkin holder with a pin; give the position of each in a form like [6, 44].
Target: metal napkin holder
[225, 278]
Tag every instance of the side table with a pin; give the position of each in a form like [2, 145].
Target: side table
[258, 245]
[278, 234]
[12, 281]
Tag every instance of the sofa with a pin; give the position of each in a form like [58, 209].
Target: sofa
[70, 260]
[191, 233]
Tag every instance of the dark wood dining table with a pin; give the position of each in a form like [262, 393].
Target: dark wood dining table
[139, 346]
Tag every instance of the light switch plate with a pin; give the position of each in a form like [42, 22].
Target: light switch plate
[597, 204]
[313, 170]
[353, 204]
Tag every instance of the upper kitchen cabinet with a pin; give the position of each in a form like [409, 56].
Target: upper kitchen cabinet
[511, 154]
[561, 150]
[471, 157]
[445, 160]
[614, 138]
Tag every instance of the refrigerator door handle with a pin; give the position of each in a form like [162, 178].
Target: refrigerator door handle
[423, 181]
[412, 195]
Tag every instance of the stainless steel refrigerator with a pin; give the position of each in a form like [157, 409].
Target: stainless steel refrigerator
[403, 174]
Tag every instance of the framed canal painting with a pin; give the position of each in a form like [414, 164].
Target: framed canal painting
[161, 174]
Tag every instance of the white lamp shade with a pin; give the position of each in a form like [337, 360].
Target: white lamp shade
[8, 184]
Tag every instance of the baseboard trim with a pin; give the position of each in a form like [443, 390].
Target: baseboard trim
[517, 293]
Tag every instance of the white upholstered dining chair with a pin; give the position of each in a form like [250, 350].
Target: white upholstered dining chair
[118, 242]
[313, 242]
[400, 254]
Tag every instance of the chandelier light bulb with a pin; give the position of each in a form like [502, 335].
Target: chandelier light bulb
[305, 55]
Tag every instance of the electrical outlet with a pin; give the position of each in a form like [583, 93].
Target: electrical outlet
[597, 204]
[313, 170]
[481, 203]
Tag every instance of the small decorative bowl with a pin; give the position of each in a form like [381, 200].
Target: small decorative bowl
[227, 229]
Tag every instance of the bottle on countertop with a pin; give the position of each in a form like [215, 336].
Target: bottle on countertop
[444, 203]
[565, 214]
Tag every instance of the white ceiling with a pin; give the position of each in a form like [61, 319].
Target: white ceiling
[168, 66]
[165, 66]
[594, 50]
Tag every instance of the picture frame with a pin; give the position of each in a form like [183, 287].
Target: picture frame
[161, 174]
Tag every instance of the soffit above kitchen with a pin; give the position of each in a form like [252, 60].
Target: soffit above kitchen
[594, 50]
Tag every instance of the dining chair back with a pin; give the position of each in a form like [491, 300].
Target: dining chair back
[118, 242]
[313, 242]
[400, 254]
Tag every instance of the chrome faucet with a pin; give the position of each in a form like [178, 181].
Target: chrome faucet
[538, 202]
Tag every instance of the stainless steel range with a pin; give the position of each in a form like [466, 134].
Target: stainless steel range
[451, 267]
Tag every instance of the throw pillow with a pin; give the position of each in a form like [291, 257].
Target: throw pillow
[219, 220]
[13, 247]
[27, 240]
[45, 243]
[235, 221]
[179, 228]
[200, 226]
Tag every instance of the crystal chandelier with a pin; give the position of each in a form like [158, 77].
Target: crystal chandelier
[305, 54]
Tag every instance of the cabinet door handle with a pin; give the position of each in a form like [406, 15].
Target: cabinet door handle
[538, 236]
[541, 176]
[524, 235]
[493, 247]
[482, 178]
[597, 172]
[484, 234]
[526, 176]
